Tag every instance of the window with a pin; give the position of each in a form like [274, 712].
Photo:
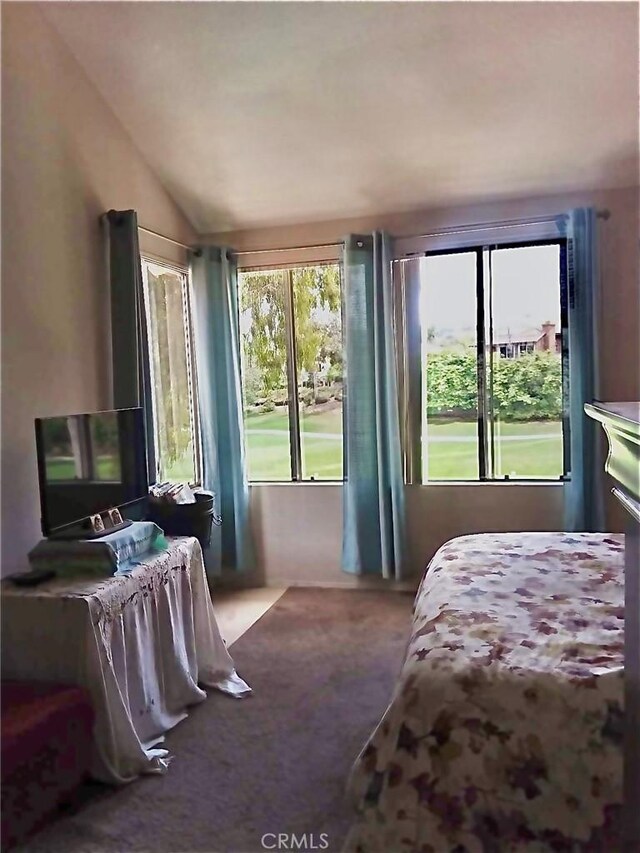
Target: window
[172, 372]
[291, 330]
[488, 325]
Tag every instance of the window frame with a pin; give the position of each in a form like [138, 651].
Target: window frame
[293, 402]
[412, 367]
[192, 375]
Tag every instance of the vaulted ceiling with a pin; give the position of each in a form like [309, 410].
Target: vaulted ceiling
[276, 113]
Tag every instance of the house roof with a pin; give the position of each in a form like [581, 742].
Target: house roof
[517, 336]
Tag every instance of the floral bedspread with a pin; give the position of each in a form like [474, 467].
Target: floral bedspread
[505, 729]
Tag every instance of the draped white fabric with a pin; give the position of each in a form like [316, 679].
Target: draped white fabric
[140, 644]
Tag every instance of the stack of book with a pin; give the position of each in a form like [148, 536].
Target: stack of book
[174, 493]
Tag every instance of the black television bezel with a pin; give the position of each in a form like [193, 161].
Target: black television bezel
[47, 529]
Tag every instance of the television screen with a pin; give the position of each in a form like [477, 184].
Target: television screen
[89, 463]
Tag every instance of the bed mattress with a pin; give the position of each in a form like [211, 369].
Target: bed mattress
[505, 728]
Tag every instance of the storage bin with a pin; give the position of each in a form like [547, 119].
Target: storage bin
[186, 519]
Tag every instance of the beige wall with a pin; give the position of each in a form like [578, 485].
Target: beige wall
[65, 160]
[299, 526]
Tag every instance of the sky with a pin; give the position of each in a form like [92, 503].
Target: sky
[525, 289]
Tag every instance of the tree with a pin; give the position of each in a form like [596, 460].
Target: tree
[251, 384]
[331, 349]
[431, 334]
[169, 355]
[262, 302]
[316, 306]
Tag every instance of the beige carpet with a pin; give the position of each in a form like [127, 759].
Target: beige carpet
[322, 664]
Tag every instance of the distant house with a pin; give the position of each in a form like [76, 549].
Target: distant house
[517, 342]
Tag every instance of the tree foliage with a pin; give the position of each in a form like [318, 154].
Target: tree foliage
[262, 297]
[525, 388]
[169, 357]
[529, 387]
[315, 289]
[316, 307]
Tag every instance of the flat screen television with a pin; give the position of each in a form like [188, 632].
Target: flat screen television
[89, 463]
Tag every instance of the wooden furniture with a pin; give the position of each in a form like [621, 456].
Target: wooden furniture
[621, 423]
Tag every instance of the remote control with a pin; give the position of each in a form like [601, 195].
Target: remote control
[32, 578]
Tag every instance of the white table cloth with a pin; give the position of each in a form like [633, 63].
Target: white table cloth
[139, 643]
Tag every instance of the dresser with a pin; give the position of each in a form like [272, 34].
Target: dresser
[621, 423]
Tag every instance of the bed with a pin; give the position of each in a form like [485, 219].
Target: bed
[504, 732]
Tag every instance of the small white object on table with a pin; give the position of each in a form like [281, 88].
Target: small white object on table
[140, 643]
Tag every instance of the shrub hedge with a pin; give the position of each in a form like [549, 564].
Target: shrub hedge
[524, 388]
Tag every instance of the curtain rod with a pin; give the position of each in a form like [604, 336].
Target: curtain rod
[291, 248]
[506, 223]
[162, 237]
[462, 229]
[249, 252]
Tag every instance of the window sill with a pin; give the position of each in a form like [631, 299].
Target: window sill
[512, 482]
[296, 483]
[456, 483]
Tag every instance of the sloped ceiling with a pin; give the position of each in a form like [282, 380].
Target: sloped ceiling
[258, 114]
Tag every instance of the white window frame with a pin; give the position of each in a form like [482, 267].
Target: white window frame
[328, 258]
[406, 288]
[194, 413]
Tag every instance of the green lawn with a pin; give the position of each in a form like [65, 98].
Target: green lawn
[181, 469]
[267, 438]
[523, 449]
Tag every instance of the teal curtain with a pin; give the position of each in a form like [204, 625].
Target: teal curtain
[216, 320]
[374, 524]
[129, 338]
[584, 505]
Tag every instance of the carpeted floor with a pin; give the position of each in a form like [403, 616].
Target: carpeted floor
[322, 664]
